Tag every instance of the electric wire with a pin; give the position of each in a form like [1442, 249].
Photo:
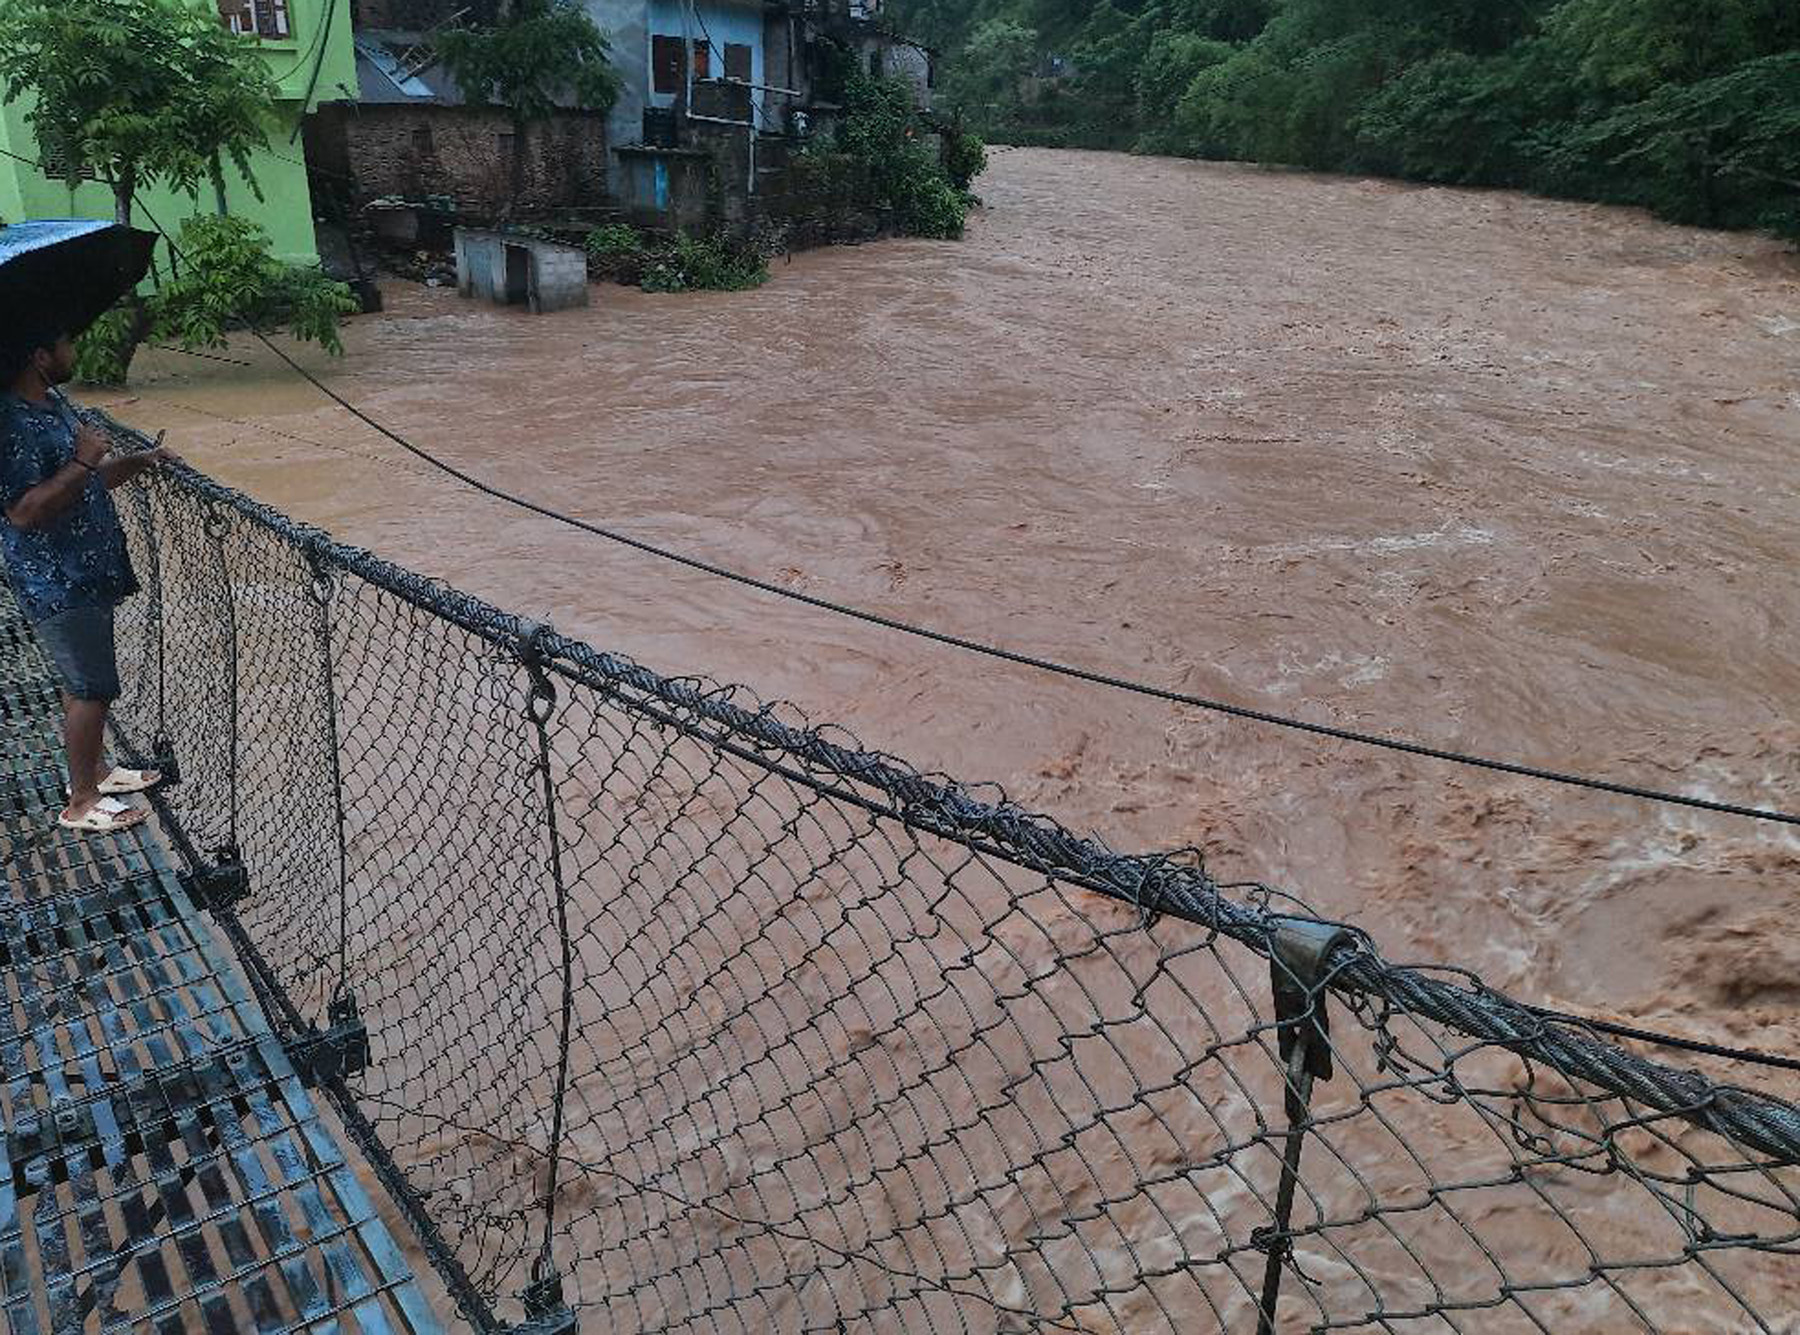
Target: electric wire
[1691, 1045]
[967, 644]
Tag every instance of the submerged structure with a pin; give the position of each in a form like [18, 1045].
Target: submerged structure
[510, 269]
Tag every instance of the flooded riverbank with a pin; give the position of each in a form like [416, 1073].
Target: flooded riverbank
[1484, 471]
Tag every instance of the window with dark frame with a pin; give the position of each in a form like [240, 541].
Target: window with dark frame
[875, 63]
[737, 61]
[702, 60]
[422, 141]
[667, 65]
[256, 18]
[56, 167]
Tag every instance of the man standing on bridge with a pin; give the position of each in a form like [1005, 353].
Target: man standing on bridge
[65, 550]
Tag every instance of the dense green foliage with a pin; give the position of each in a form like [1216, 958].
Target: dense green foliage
[149, 92]
[885, 161]
[541, 54]
[139, 91]
[226, 279]
[681, 263]
[1690, 107]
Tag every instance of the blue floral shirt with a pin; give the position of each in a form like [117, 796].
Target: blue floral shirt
[79, 558]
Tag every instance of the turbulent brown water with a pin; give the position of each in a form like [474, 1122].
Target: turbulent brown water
[1487, 472]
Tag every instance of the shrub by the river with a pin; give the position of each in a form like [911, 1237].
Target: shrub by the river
[680, 263]
[885, 161]
[964, 157]
[704, 263]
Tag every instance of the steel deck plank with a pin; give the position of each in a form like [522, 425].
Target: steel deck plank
[163, 1168]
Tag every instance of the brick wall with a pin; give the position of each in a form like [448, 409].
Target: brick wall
[464, 153]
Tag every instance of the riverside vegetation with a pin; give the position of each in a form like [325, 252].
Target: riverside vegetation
[1688, 107]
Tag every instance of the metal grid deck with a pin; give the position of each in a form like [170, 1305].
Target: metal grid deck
[163, 1167]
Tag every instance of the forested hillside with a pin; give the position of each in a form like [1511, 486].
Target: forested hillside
[1691, 107]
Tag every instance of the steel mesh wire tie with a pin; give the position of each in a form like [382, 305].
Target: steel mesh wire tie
[1298, 973]
[217, 527]
[162, 748]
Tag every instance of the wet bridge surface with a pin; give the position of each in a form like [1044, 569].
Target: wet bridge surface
[164, 1167]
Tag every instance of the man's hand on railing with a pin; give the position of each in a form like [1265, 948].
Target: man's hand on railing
[118, 469]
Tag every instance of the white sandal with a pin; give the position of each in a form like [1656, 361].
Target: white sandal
[129, 780]
[107, 816]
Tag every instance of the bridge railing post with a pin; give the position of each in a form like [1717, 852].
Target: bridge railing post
[1299, 949]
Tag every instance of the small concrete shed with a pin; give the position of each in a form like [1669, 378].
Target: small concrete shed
[513, 270]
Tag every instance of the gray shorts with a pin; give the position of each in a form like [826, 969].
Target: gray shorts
[80, 643]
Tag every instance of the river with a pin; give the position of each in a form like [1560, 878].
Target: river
[1482, 471]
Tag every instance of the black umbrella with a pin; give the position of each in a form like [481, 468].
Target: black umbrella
[66, 273]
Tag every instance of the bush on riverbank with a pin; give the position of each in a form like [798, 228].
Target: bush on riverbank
[1688, 107]
[885, 162]
[680, 263]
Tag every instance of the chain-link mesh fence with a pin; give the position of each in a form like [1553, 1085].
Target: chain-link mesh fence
[734, 1026]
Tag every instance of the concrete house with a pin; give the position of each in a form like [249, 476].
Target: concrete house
[307, 46]
[717, 92]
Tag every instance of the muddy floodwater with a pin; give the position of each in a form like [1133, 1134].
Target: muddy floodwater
[1482, 471]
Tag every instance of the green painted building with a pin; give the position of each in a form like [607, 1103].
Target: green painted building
[307, 45]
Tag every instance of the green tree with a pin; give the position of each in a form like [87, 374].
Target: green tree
[1719, 150]
[228, 280]
[139, 91]
[1633, 48]
[159, 92]
[986, 80]
[1464, 120]
[538, 56]
[1686, 106]
[1168, 69]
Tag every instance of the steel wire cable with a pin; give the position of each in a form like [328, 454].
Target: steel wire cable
[968, 644]
[1101, 679]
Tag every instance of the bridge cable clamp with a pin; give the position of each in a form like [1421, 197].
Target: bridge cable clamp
[547, 1312]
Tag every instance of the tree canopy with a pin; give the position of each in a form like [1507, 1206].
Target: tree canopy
[1690, 107]
[538, 55]
[139, 91]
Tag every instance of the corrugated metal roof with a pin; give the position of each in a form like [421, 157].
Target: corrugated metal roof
[384, 76]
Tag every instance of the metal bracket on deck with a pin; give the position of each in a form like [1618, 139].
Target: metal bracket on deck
[35, 1143]
[224, 885]
[340, 1049]
[546, 1311]
[162, 759]
[133, 1113]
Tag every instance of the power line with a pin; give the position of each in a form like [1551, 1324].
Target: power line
[1028, 660]
[1112, 682]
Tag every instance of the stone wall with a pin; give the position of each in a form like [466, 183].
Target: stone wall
[414, 151]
